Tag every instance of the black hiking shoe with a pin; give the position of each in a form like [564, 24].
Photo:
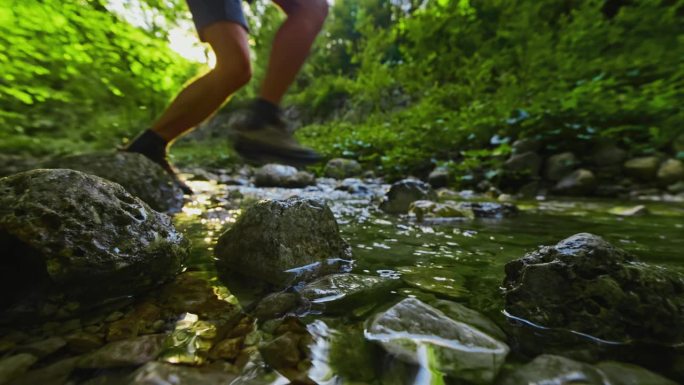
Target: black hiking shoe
[153, 147]
[259, 142]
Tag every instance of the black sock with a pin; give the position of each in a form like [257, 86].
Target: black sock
[150, 144]
[265, 112]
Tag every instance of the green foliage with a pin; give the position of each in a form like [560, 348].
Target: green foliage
[439, 81]
[75, 76]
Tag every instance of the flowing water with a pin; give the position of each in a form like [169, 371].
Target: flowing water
[460, 260]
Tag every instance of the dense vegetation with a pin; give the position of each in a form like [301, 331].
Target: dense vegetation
[400, 85]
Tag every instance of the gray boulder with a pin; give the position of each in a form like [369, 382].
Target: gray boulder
[524, 164]
[439, 177]
[411, 330]
[643, 168]
[400, 196]
[607, 155]
[461, 313]
[278, 175]
[69, 231]
[138, 175]
[343, 292]
[670, 172]
[579, 182]
[340, 168]
[587, 285]
[559, 165]
[283, 241]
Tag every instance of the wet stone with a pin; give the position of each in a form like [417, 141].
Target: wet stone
[410, 330]
[579, 182]
[461, 313]
[489, 209]
[278, 175]
[83, 342]
[343, 292]
[283, 241]
[44, 347]
[585, 284]
[190, 341]
[643, 168]
[157, 373]
[138, 175]
[130, 352]
[54, 374]
[550, 369]
[228, 349]
[71, 231]
[424, 209]
[283, 351]
[340, 168]
[275, 305]
[14, 366]
[401, 194]
[620, 373]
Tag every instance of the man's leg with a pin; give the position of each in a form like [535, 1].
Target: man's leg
[203, 96]
[263, 137]
[292, 44]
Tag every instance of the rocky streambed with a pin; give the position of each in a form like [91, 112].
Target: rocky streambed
[335, 281]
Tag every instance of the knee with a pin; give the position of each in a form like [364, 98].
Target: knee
[312, 12]
[234, 72]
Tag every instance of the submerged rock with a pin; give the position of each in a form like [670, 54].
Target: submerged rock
[489, 209]
[138, 175]
[400, 196]
[343, 292]
[71, 232]
[579, 182]
[420, 334]
[340, 168]
[643, 168]
[587, 285]
[283, 241]
[136, 351]
[423, 209]
[550, 369]
[158, 373]
[278, 175]
[14, 366]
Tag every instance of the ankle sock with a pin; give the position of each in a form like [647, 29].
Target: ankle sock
[150, 144]
[265, 111]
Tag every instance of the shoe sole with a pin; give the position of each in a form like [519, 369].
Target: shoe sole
[258, 154]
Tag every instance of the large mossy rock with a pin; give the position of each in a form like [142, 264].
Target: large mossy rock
[68, 231]
[587, 285]
[670, 171]
[415, 333]
[138, 175]
[283, 241]
[404, 192]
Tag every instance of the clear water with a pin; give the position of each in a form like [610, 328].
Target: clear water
[459, 260]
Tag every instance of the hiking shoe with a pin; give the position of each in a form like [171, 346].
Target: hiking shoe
[259, 143]
[153, 148]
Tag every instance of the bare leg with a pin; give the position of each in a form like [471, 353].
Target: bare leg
[205, 95]
[292, 44]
